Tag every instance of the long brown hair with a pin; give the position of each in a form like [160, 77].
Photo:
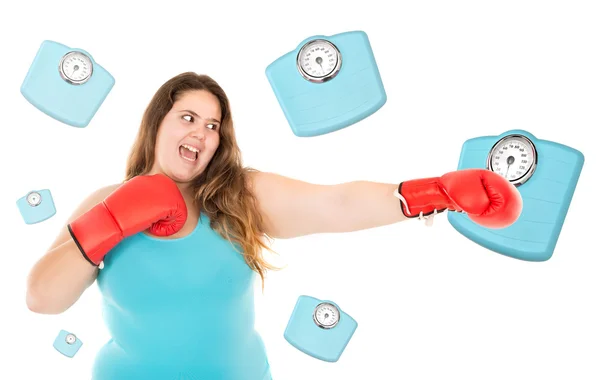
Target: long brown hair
[221, 191]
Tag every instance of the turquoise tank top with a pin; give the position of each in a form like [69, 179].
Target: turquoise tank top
[179, 309]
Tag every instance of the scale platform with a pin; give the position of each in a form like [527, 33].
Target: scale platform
[319, 328]
[545, 173]
[66, 84]
[327, 83]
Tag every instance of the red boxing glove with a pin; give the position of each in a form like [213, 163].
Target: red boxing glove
[144, 202]
[486, 197]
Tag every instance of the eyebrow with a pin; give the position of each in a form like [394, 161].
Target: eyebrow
[200, 117]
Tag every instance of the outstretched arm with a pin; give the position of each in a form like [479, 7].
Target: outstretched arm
[293, 208]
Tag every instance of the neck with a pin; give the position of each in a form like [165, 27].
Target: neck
[187, 192]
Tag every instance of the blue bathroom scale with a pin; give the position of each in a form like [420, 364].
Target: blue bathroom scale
[327, 83]
[67, 343]
[36, 206]
[319, 328]
[545, 173]
[66, 84]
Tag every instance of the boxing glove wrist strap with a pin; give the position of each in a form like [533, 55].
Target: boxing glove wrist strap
[421, 198]
[95, 233]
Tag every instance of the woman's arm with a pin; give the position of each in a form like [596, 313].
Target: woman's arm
[292, 208]
[62, 274]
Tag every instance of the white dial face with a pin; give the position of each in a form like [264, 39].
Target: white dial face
[34, 198]
[71, 339]
[326, 315]
[513, 158]
[319, 60]
[76, 67]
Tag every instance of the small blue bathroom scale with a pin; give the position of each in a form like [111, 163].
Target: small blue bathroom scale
[319, 328]
[67, 343]
[545, 173]
[327, 83]
[66, 84]
[36, 206]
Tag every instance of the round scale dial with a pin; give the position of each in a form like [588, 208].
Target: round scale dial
[326, 315]
[319, 61]
[34, 198]
[514, 157]
[70, 339]
[75, 67]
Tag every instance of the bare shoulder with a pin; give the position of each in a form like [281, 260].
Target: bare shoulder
[257, 181]
[274, 188]
[265, 181]
[253, 176]
[102, 192]
[289, 207]
[93, 198]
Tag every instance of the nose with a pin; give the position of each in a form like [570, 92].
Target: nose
[198, 133]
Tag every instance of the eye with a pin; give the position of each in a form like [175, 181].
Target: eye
[212, 126]
[188, 118]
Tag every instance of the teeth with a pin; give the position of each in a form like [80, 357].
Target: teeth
[190, 148]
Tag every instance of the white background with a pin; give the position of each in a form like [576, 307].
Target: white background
[430, 304]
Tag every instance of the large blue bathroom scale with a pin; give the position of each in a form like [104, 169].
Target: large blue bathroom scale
[66, 84]
[545, 173]
[327, 83]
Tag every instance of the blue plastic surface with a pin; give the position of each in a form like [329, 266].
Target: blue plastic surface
[546, 197]
[72, 104]
[324, 344]
[313, 109]
[33, 214]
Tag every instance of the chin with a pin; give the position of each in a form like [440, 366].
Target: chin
[182, 176]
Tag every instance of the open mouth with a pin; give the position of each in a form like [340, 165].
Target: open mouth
[188, 153]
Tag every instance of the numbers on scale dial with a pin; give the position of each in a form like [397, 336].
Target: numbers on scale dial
[319, 60]
[75, 67]
[326, 315]
[514, 158]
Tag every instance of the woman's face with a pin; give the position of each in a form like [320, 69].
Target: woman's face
[188, 136]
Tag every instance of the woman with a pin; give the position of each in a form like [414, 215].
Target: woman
[180, 240]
